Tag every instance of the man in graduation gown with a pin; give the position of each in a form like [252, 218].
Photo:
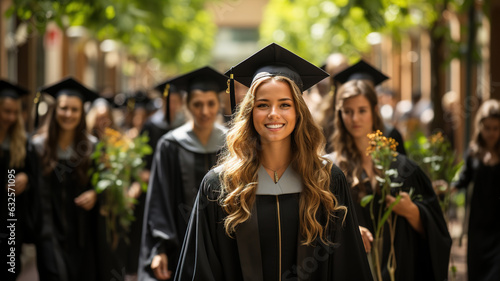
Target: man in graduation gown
[180, 162]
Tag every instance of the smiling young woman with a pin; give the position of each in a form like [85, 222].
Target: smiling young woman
[422, 240]
[18, 183]
[482, 166]
[67, 249]
[273, 209]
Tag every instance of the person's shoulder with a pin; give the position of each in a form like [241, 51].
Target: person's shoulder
[336, 171]
[38, 142]
[167, 140]
[211, 186]
[405, 166]
[331, 156]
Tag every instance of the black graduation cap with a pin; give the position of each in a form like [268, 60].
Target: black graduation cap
[139, 99]
[204, 79]
[362, 71]
[12, 91]
[67, 86]
[70, 87]
[274, 60]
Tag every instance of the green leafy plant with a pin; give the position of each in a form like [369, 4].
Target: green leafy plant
[383, 152]
[439, 161]
[118, 161]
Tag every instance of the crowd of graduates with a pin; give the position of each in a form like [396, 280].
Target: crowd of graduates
[258, 173]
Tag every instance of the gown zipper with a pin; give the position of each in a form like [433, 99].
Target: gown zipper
[279, 237]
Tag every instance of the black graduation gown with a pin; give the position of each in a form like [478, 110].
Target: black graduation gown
[67, 250]
[483, 246]
[156, 127]
[179, 166]
[417, 258]
[208, 253]
[24, 221]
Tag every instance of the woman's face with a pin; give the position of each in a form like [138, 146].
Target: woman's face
[102, 119]
[274, 112]
[204, 107]
[357, 116]
[68, 112]
[9, 112]
[490, 131]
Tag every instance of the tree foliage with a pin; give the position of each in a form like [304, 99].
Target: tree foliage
[180, 33]
[316, 28]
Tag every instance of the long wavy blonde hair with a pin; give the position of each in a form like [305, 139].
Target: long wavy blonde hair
[241, 162]
[17, 147]
[348, 157]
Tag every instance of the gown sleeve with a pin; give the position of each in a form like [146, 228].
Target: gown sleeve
[466, 174]
[436, 231]
[159, 227]
[32, 215]
[198, 258]
[349, 258]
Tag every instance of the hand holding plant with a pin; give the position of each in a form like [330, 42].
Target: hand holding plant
[383, 153]
[119, 162]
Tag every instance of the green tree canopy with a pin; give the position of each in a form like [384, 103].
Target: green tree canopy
[179, 33]
[316, 28]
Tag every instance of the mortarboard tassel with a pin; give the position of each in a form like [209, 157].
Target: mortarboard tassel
[230, 91]
[131, 104]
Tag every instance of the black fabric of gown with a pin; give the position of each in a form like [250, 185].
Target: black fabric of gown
[175, 178]
[208, 253]
[155, 128]
[396, 135]
[483, 246]
[417, 258]
[67, 250]
[26, 212]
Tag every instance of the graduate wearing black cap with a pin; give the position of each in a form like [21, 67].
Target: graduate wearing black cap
[164, 120]
[366, 72]
[183, 156]
[421, 240]
[67, 247]
[274, 209]
[18, 188]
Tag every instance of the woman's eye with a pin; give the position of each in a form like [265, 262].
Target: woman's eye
[261, 105]
[286, 105]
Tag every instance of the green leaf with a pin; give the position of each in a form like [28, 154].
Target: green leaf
[137, 162]
[392, 173]
[9, 12]
[396, 184]
[366, 200]
[146, 150]
[102, 185]
[95, 178]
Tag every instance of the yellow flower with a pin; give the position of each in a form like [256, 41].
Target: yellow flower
[437, 138]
